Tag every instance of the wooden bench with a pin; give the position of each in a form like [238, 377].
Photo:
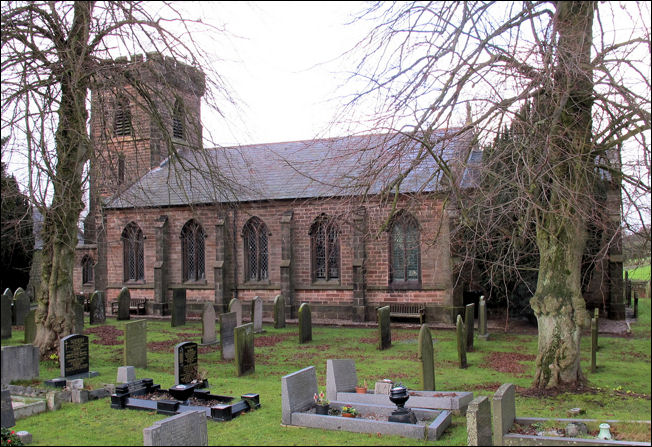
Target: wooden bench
[408, 310]
[136, 305]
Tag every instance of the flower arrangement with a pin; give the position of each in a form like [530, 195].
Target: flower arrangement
[320, 399]
[350, 410]
[9, 437]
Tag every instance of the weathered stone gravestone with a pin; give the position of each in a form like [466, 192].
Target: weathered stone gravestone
[78, 321]
[7, 419]
[97, 311]
[297, 391]
[228, 323]
[21, 306]
[178, 307]
[235, 305]
[279, 312]
[503, 409]
[305, 323]
[124, 300]
[135, 344]
[483, 333]
[187, 428]
[384, 330]
[245, 359]
[19, 362]
[185, 362]
[257, 314]
[74, 357]
[5, 313]
[427, 357]
[469, 325]
[126, 374]
[461, 342]
[478, 422]
[208, 333]
[30, 326]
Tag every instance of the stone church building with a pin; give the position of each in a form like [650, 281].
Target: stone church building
[259, 220]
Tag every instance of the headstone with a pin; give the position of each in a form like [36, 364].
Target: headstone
[97, 311]
[461, 342]
[245, 360]
[257, 314]
[124, 300]
[135, 344]
[594, 343]
[596, 316]
[30, 326]
[178, 307]
[235, 305]
[469, 324]
[279, 312]
[478, 421]
[185, 362]
[19, 362]
[297, 391]
[383, 387]
[384, 330]
[7, 419]
[482, 319]
[21, 306]
[635, 307]
[341, 377]
[78, 322]
[503, 409]
[228, 323]
[427, 357]
[74, 356]
[187, 428]
[126, 374]
[5, 313]
[305, 323]
[208, 333]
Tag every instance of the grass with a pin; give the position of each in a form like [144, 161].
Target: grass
[620, 389]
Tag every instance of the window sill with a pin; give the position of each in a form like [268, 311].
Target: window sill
[404, 286]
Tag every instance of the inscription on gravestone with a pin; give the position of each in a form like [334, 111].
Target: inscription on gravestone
[74, 355]
[185, 362]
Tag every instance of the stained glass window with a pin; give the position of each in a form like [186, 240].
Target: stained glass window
[192, 249]
[256, 250]
[325, 249]
[133, 253]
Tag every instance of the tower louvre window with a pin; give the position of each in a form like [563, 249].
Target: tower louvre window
[122, 118]
[178, 130]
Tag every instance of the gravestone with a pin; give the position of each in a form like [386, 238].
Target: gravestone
[124, 300]
[185, 362]
[235, 305]
[305, 323]
[461, 342]
[279, 312]
[257, 314]
[74, 357]
[594, 343]
[178, 307]
[30, 326]
[245, 360]
[97, 311]
[503, 409]
[483, 333]
[228, 323]
[208, 333]
[7, 419]
[5, 313]
[297, 391]
[19, 362]
[469, 325]
[596, 316]
[478, 422]
[135, 344]
[384, 330]
[126, 374]
[427, 357]
[383, 387]
[187, 428]
[78, 321]
[21, 306]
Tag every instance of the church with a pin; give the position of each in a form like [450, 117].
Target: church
[302, 219]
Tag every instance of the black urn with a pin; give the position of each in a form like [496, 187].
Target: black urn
[399, 395]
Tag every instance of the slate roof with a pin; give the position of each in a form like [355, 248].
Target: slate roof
[292, 170]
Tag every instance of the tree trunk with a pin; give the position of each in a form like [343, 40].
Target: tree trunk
[55, 314]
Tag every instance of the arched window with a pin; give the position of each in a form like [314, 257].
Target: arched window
[192, 251]
[87, 269]
[122, 117]
[178, 128]
[325, 249]
[404, 251]
[133, 253]
[255, 249]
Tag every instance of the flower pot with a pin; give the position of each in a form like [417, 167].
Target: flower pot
[322, 409]
[348, 415]
[361, 390]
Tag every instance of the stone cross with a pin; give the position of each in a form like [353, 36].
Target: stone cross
[135, 344]
[461, 342]
[208, 336]
[305, 323]
[279, 312]
[235, 305]
[427, 357]
[124, 300]
[384, 330]
[245, 359]
[469, 324]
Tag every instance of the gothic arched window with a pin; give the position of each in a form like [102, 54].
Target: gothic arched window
[192, 251]
[87, 269]
[133, 253]
[325, 249]
[404, 253]
[256, 250]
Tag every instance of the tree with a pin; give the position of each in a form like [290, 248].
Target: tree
[53, 55]
[578, 110]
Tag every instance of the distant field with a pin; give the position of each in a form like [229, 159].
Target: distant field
[641, 273]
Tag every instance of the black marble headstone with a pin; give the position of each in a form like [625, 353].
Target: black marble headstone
[74, 355]
[185, 362]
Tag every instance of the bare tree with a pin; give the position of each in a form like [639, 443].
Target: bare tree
[575, 97]
[53, 55]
